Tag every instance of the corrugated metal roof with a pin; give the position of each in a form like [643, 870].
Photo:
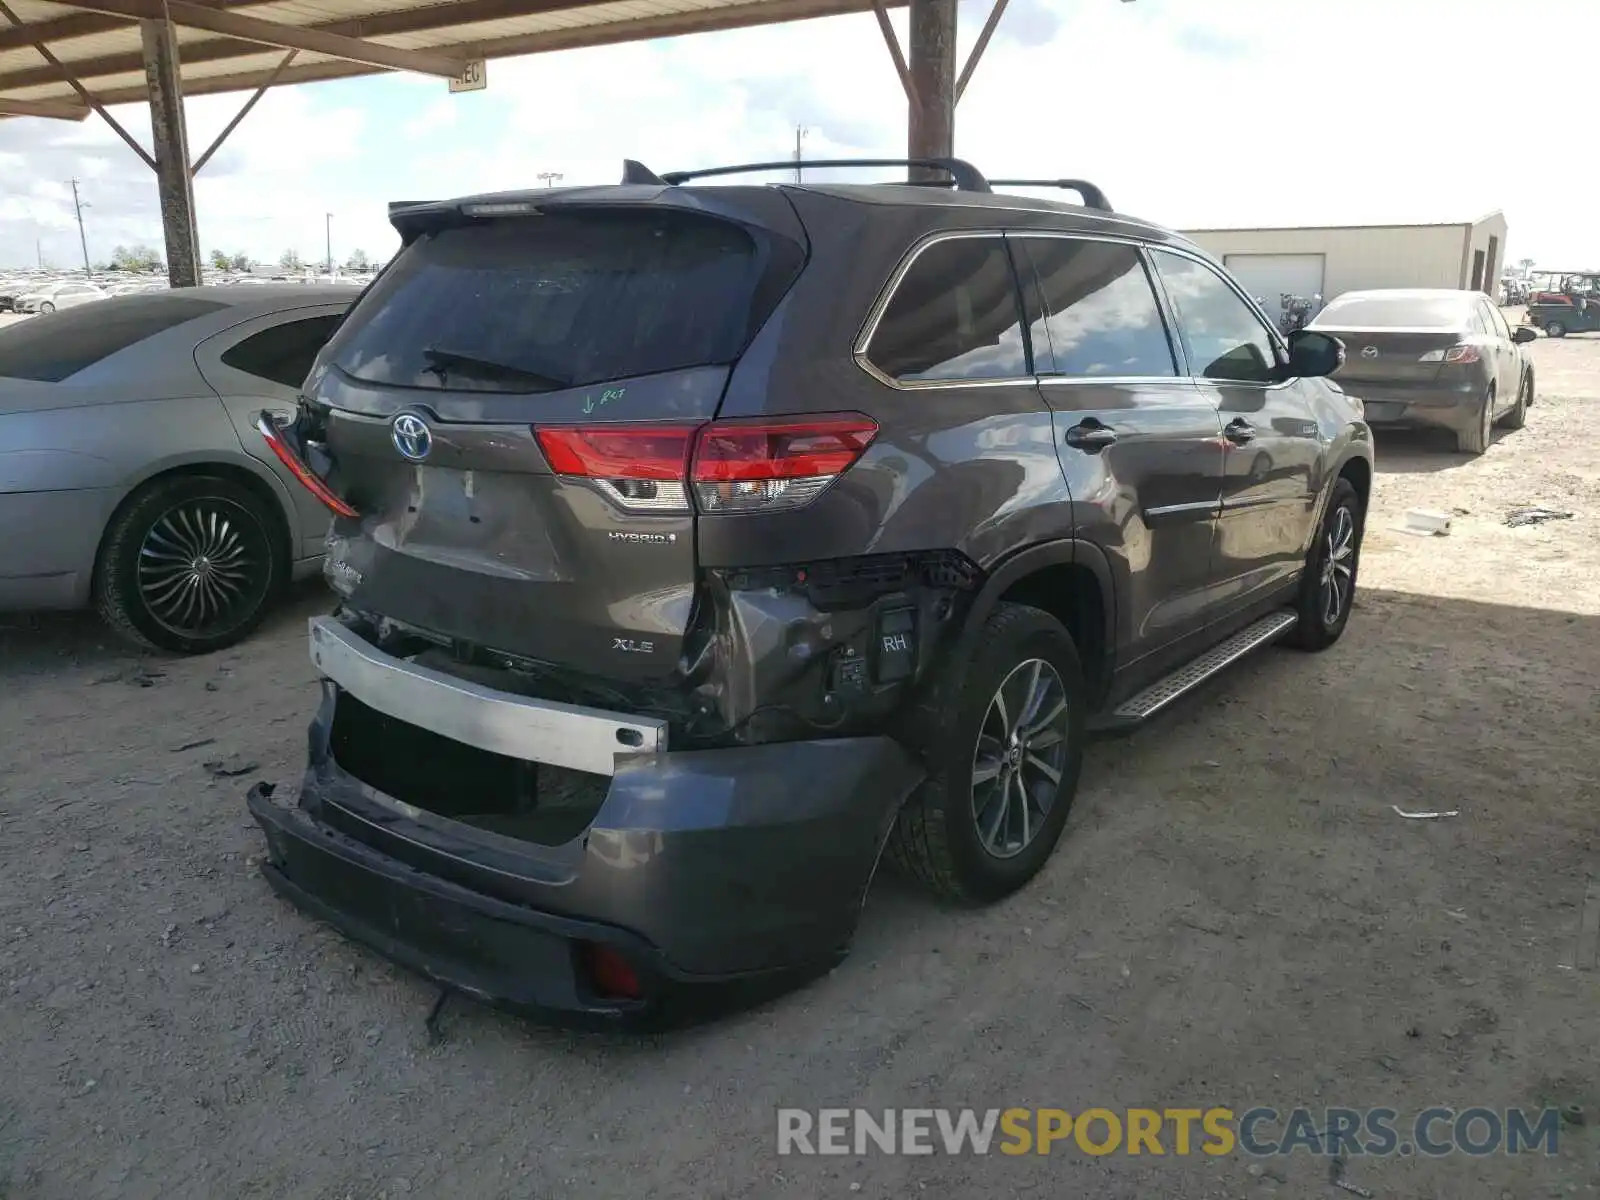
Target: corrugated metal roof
[102, 49]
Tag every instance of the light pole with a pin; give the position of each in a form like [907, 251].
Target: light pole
[800, 132]
[78, 207]
[327, 229]
[551, 177]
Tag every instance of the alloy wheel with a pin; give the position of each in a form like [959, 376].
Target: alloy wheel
[1020, 756]
[1338, 566]
[203, 566]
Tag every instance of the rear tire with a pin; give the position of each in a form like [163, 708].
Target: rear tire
[1328, 587]
[190, 564]
[993, 805]
[1518, 416]
[1476, 440]
[46, 307]
[1554, 329]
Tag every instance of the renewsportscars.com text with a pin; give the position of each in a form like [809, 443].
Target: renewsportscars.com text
[1260, 1132]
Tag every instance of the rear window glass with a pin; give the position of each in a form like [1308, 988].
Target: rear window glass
[1399, 312]
[55, 346]
[535, 304]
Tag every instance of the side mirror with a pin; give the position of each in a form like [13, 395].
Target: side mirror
[1523, 334]
[1314, 355]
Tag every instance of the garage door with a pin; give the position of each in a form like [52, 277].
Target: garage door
[1269, 276]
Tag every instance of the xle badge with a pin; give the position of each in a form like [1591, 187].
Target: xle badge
[630, 646]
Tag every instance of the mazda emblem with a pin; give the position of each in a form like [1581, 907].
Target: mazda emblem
[1369, 352]
[411, 437]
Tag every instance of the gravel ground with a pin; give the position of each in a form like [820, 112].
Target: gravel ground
[1235, 917]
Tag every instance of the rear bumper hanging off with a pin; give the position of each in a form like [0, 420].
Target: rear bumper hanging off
[711, 873]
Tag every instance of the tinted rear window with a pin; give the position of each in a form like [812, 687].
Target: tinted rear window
[56, 346]
[1397, 312]
[535, 304]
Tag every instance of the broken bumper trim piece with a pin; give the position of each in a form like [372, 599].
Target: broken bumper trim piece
[563, 735]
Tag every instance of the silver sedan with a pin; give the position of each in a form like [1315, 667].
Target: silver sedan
[132, 477]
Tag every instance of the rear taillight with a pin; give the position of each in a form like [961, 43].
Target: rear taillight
[762, 466]
[734, 466]
[1455, 354]
[270, 433]
[640, 467]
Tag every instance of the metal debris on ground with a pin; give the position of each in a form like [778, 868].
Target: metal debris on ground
[1336, 1177]
[1535, 515]
[232, 767]
[1424, 816]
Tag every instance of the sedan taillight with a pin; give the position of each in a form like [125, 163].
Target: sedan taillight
[1455, 354]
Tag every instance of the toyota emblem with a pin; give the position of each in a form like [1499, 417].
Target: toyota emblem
[1369, 352]
[412, 437]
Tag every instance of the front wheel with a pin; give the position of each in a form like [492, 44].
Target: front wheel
[190, 564]
[1554, 329]
[1328, 588]
[1002, 734]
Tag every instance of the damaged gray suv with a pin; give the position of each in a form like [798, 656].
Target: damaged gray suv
[699, 546]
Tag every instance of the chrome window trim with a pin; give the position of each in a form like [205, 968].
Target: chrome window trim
[869, 327]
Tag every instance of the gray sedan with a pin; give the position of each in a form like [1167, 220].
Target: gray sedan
[131, 474]
[1430, 357]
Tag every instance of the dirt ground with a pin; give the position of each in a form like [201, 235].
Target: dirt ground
[1236, 916]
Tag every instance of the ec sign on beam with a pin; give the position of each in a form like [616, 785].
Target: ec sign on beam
[473, 78]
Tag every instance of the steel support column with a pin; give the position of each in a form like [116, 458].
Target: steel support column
[932, 69]
[170, 141]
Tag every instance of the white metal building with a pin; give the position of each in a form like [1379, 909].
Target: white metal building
[1272, 263]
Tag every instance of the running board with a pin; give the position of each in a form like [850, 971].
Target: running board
[1153, 699]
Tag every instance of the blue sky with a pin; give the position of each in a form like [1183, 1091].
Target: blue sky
[1192, 113]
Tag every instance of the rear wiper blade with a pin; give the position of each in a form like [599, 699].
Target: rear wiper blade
[440, 361]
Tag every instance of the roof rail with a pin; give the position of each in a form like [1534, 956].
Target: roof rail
[966, 176]
[1093, 197]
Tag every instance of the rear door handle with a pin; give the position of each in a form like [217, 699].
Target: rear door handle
[1090, 436]
[1239, 431]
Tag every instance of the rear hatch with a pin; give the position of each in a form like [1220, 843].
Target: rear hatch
[1404, 341]
[511, 408]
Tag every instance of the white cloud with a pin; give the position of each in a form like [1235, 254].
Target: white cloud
[1190, 113]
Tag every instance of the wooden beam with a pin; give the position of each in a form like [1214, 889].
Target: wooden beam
[83, 92]
[56, 110]
[288, 37]
[432, 18]
[255, 98]
[737, 16]
[83, 24]
[891, 40]
[932, 51]
[982, 44]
